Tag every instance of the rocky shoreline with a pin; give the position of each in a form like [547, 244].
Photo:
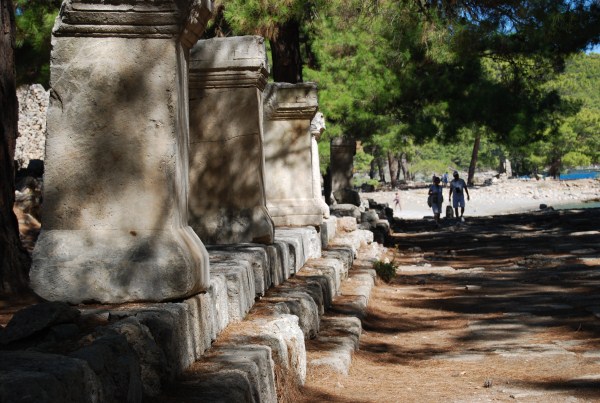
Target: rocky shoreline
[502, 197]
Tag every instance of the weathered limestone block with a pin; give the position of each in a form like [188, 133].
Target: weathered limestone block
[332, 268]
[346, 224]
[116, 167]
[315, 285]
[240, 280]
[289, 109]
[231, 374]
[304, 243]
[218, 294]
[38, 377]
[343, 333]
[152, 360]
[200, 322]
[227, 202]
[341, 169]
[295, 250]
[37, 319]
[282, 333]
[169, 324]
[286, 262]
[328, 231]
[342, 254]
[301, 304]
[355, 240]
[115, 364]
[346, 210]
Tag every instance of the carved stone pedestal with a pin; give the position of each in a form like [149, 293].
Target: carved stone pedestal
[116, 169]
[341, 168]
[289, 109]
[227, 202]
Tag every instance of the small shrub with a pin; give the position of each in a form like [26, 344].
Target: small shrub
[385, 271]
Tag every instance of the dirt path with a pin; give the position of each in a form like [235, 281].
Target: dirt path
[502, 309]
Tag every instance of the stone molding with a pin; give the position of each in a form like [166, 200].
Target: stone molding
[165, 19]
[236, 62]
[284, 101]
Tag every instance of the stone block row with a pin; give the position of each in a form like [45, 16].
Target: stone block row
[216, 342]
[189, 129]
[287, 320]
[341, 325]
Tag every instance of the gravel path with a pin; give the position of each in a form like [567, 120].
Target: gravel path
[503, 309]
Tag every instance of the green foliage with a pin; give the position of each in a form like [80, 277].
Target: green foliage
[34, 20]
[415, 78]
[264, 17]
[485, 64]
[385, 270]
[576, 159]
[362, 160]
[358, 181]
[571, 139]
[349, 65]
[324, 155]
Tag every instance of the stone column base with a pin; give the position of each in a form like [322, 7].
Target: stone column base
[295, 212]
[233, 226]
[115, 266]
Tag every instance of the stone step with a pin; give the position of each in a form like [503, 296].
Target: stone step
[226, 341]
[341, 326]
[290, 320]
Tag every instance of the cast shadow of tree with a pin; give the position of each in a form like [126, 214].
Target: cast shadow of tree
[517, 275]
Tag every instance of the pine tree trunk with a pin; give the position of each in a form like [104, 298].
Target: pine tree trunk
[380, 168]
[373, 168]
[404, 166]
[474, 158]
[285, 49]
[14, 261]
[555, 164]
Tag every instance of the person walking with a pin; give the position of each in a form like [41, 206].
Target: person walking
[436, 198]
[445, 179]
[397, 204]
[457, 189]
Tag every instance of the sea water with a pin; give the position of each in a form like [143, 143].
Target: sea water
[577, 206]
[580, 174]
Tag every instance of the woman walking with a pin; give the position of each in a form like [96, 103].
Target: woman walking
[436, 199]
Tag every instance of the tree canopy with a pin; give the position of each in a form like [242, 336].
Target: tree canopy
[400, 73]
[34, 21]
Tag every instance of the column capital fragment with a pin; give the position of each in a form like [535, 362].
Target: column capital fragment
[233, 62]
[134, 19]
[284, 101]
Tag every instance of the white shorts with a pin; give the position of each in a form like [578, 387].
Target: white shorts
[458, 200]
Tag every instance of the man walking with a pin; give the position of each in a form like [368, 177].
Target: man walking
[457, 187]
[445, 179]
